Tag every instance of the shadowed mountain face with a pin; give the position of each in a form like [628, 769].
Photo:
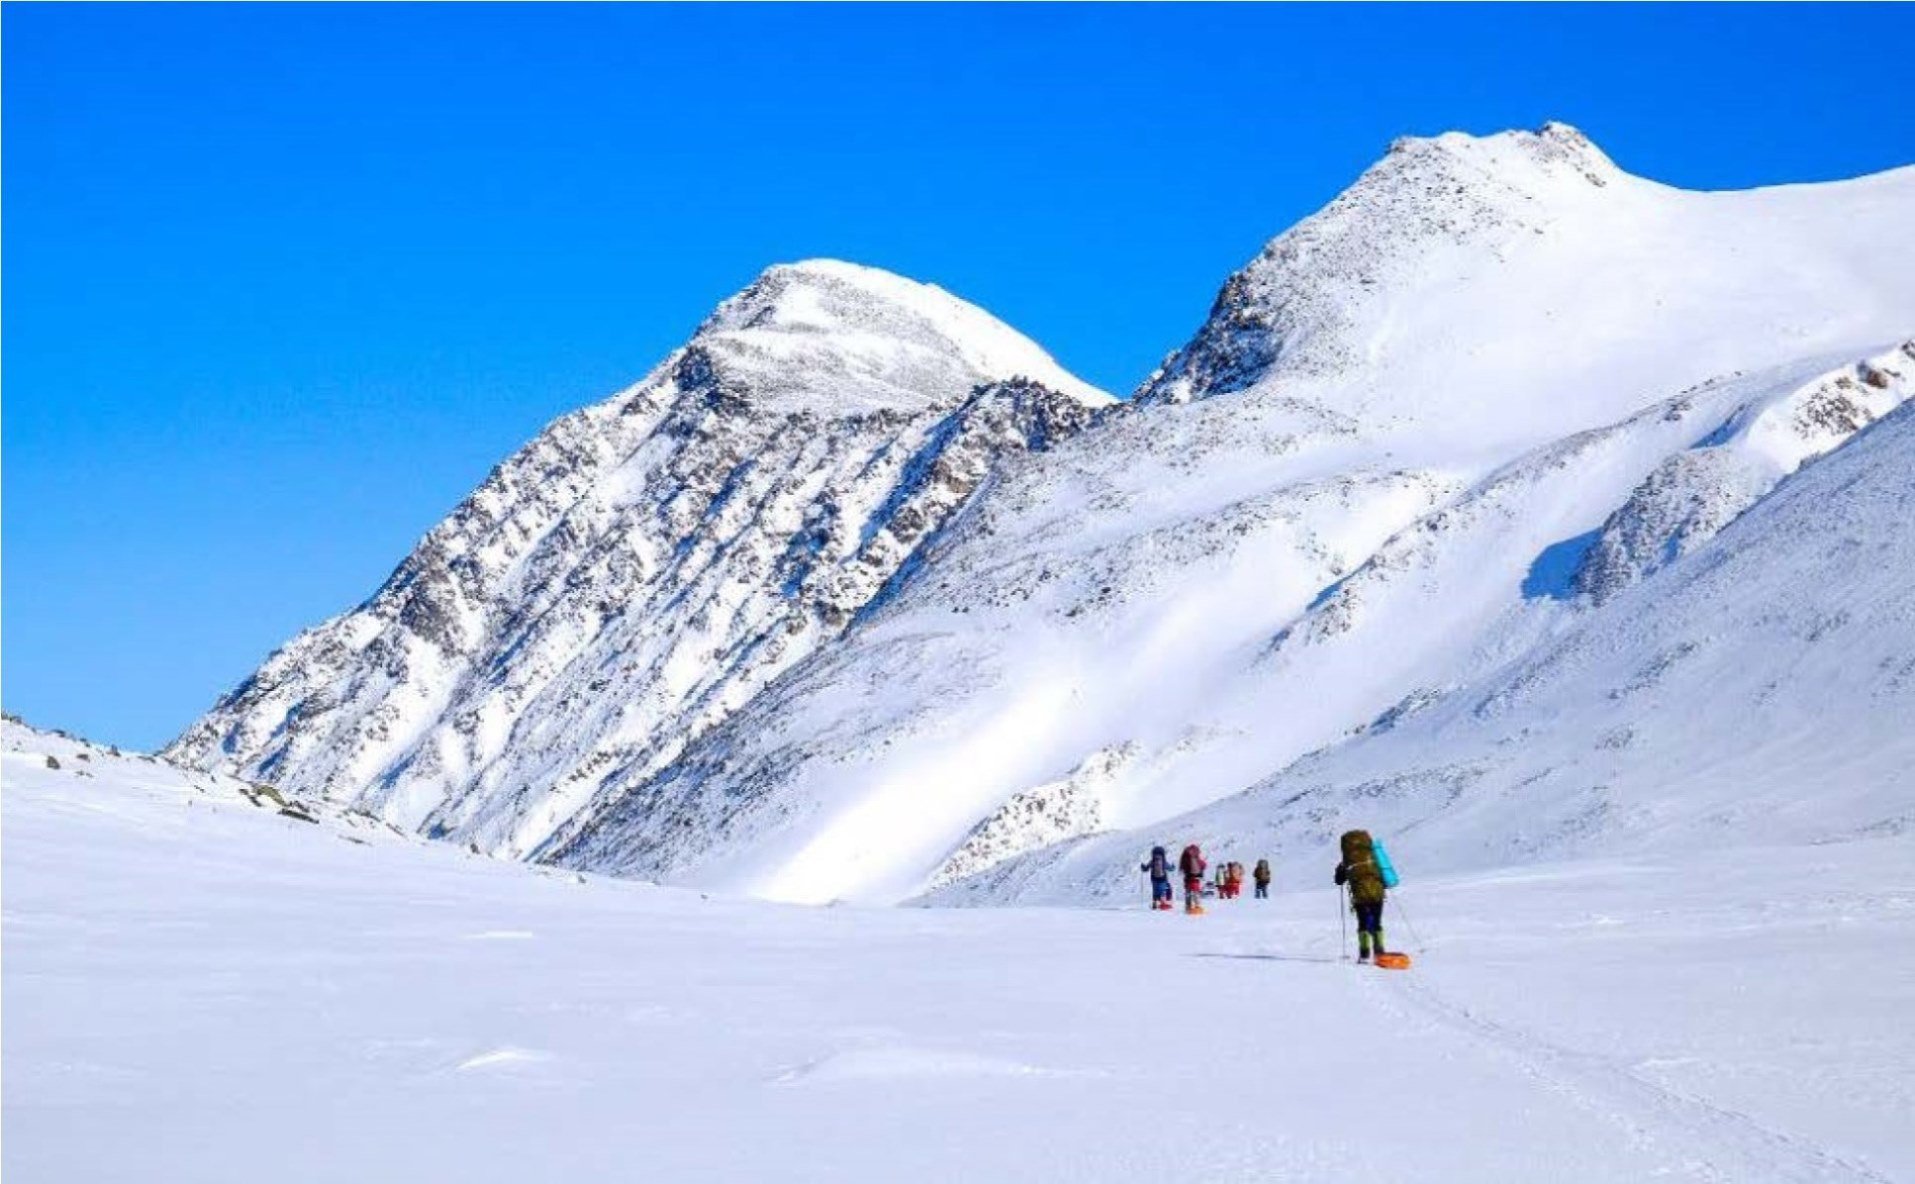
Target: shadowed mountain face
[859, 594]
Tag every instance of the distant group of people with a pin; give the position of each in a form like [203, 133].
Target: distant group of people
[1230, 878]
[1191, 865]
[1364, 869]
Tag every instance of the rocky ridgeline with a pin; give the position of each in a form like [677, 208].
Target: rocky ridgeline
[646, 565]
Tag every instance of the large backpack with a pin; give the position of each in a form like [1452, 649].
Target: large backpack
[1159, 864]
[1360, 868]
[1357, 847]
[1192, 863]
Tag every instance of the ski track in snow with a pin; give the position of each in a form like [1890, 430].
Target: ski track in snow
[1698, 1140]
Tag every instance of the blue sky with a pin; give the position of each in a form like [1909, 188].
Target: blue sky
[282, 282]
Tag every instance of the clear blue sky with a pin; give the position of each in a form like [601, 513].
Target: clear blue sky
[282, 283]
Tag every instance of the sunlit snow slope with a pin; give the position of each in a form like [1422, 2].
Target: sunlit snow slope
[1757, 688]
[1419, 437]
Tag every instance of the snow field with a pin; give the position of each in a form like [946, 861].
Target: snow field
[232, 994]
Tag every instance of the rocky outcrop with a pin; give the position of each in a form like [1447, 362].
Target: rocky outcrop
[1037, 817]
[1694, 494]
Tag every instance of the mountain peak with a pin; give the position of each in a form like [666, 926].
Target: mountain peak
[645, 565]
[1554, 149]
[783, 283]
[1300, 302]
[883, 338]
[826, 295]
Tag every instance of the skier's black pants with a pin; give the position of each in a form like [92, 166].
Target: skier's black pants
[1160, 889]
[1369, 918]
[1263, 890]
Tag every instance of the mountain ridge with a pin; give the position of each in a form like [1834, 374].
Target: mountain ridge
[723, 483]
[965, 614]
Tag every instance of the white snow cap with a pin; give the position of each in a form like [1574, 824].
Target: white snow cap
[878, 329]
[1552, 145]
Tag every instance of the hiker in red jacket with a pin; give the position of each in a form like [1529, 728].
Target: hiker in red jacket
[1192, 865]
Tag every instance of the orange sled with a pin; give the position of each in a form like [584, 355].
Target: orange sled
[1393, 961]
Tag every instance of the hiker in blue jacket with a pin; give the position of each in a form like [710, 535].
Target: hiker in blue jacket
[1158, 867]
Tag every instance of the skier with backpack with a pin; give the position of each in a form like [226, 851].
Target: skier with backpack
[1158, 867]
[1366, 869]
[1192, 865]
[1262, 877]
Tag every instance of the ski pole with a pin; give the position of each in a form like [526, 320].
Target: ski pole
[1416, 937]
[1343, 928]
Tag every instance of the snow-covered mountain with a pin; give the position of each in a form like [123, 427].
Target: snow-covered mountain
[1356, 484]
[645, 565]
[1757, 688]
[1496, 393]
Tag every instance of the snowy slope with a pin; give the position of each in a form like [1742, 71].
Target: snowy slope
[200, 989]
[78, 775]
[1406, 448]
[1756, 689]
[646, 564]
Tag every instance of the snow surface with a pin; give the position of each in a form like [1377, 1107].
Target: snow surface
[201, 989]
